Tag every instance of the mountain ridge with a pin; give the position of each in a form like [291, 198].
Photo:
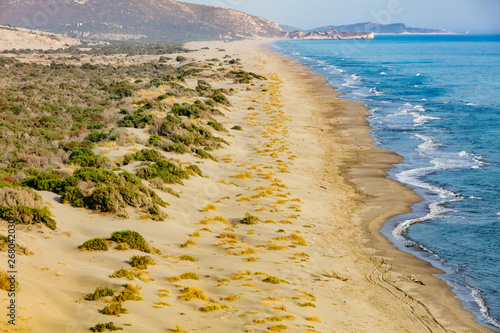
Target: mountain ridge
[132, 19]
[377, 28]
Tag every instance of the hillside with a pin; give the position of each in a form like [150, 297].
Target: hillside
[18, 38]
[377, 28]
[130, 19]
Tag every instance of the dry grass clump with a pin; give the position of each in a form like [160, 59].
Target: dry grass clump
[278, 328]
[5, 282]
[243, 175]
[130, 275]
[141, 262]
[275, 247]
[192, 292]
[247, 251]
[106, 327]
[241, 275]
[208, 208]
[232, 298]
[229, 237]
[244, 198]
[177, 329]
[299, 240]
[249, 219]
[307, 304]
[188, 243]
[186, 257]
[129, 293]
[4, 246]
[213, 219]
[213, 307]
[314, 318]
[100, 293]
[114, 309]
[189, 276]
[274, 280]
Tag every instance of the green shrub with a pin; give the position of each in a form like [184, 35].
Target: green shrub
[100, 293]
[28, 215]
[203, 154]
[96, 244]
[73, 196]
[194, 169]
[106, 327]
[217, 126]
[85, 157]
[132, 238]
[150, 155]
[237, 128]
[165, 170]
[221, 99]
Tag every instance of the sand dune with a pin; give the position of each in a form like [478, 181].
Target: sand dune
[314, 261]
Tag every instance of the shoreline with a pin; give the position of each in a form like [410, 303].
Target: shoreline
[390, 198]
[278, 231]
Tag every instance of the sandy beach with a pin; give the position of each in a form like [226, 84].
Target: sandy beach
[305, 166]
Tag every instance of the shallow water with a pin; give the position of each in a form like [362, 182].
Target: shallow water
[435, 100]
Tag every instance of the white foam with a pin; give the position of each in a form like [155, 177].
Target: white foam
[435, 209]
[418, 74]
[485, 311]
[383, 73]
[420, 119]
[470, 104]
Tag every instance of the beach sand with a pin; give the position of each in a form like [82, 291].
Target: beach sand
[305, 166]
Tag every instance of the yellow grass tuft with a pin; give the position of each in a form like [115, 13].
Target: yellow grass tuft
[314, 318]
[214, 219]
[192, 292]
[274, 247]
[188, 243]
[244, 198]
[232, 298]
[208, 208]
[213, 307]
[299, 240]
[243, 175]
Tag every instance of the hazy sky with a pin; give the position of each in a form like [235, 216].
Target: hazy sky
[476, 16]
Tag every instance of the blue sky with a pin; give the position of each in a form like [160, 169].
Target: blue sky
[476, 16]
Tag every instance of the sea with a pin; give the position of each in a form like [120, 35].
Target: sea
[434, 100]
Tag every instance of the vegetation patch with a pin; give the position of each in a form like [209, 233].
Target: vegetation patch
[193, 292]
[141, 262]
[106, 327]
[96, 244]
[132, 238]
[101, 190]
[249, 219]
[99, 293]
[213, 307]
[114, 309]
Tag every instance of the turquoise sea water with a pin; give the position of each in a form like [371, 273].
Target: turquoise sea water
[435, 100]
